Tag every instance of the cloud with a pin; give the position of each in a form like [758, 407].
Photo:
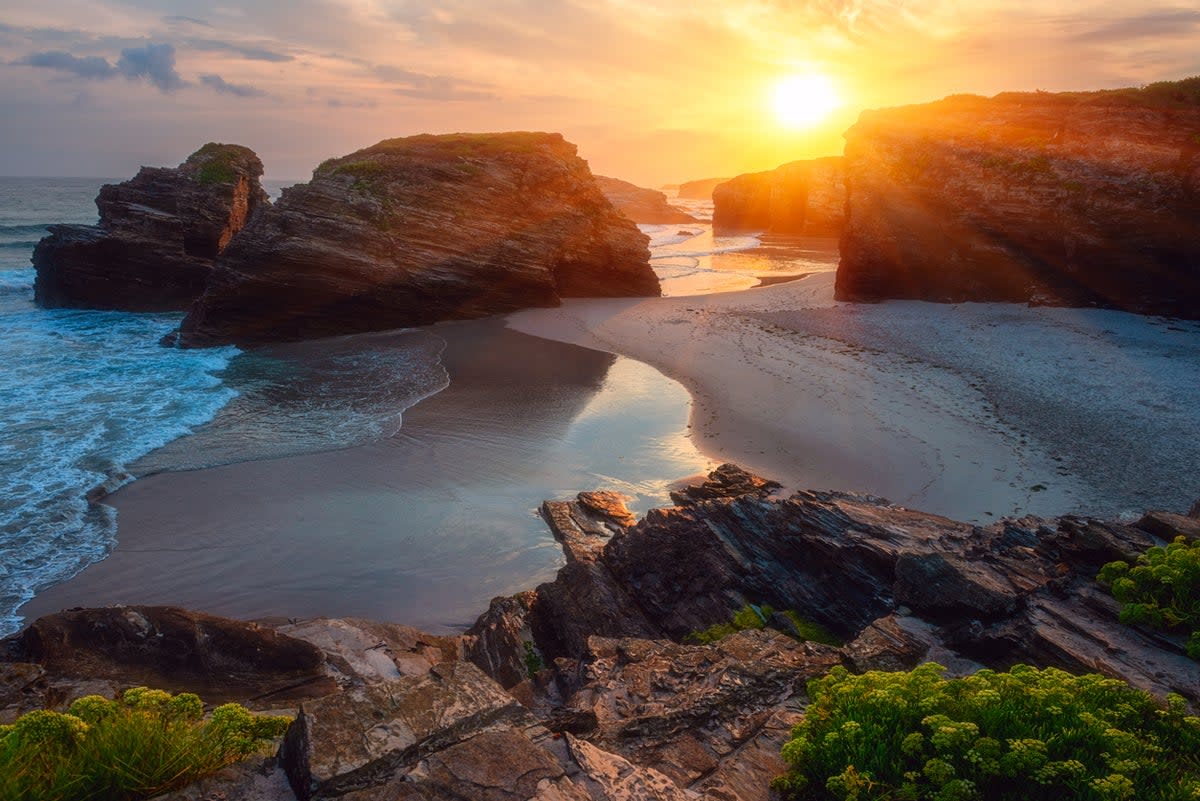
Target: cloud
[251, 52]
[182, 20]
[219, 84]
[87, 67]
[433, 87]
[155, 62]
[1152, 24]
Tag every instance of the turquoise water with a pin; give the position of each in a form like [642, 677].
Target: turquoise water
[82, 394]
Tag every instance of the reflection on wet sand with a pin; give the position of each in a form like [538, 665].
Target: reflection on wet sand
[424, 526]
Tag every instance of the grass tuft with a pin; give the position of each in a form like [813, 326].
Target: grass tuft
[147, 743]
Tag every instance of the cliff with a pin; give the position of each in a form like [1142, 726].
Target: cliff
[582, 688]
[1081, 199]
[802, 198]
[416, 230]
[647, 206]
[158, 237]
[700, 189]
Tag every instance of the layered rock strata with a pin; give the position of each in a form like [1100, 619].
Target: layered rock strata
[802, 198]
[582, 688]
[417, 230]
[158, 237]
[1056, 199]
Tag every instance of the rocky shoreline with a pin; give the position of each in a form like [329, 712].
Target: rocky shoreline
[584, 687]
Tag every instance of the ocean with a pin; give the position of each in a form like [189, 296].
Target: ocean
[89, 401]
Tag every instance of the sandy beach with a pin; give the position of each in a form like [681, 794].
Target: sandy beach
[972, 411]
[1085, 410]
[423, 527]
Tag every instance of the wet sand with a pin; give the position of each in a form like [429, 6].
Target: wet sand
[423, 527]
[973, 411]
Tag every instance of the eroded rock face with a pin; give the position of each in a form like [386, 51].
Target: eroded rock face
[647, 206]
[902, 586]
[159, 235]
[802, 198]
[1072, 200]
[413, 231]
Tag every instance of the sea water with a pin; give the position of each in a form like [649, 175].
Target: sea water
[89, 399]
[82, 394]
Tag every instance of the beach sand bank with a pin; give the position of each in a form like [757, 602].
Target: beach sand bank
[423, 527]
[973, 411]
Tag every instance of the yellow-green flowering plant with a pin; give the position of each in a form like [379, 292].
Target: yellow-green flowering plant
[1162, 590]
[146, 743]
[1022, 735]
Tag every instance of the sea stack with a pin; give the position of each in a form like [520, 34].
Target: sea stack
[158, 237]
[647, 206]
[802, 198]
[421, 229]
[1075, 199]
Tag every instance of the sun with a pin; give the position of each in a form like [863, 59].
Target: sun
[802, 101]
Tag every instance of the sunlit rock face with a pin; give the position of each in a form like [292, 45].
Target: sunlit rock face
[416, 230]
[802, 198]
[159, 235]
[1081, 199]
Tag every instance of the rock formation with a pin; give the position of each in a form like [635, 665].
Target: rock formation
[582, 689]
[647, 206]
[158, 237]
[412, 231]
[800, 198]
[700, 189]
[1062, 199]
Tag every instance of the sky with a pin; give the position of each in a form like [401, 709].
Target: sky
[652, 91]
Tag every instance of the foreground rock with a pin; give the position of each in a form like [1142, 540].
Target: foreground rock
[582, 689]
[158, 237]
[1069, 199]
[648, 206]
[412, 231]
[896, 584]
[803, 198]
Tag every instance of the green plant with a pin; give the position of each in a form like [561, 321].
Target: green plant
[533, 660]
[1025, 734]
[145, 744]
[1162, 590]
[753, 616]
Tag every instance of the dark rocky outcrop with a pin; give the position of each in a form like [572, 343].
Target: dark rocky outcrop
[700, 189]
[802, 198]
[159, 646]
[582, 691]
[1016, 591]
[159, 234]
[1061, 199]
[647, 206]
[412, 231]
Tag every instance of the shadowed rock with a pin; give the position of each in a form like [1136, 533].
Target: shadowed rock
[1056, 199]
[158, 237]
[647, 206]
[803, 198]
[412, 231]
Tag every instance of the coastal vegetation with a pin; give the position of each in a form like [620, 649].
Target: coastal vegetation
[1162, 590]
[1022, 734]
[753, 616]
[219, 164]
[146, 743]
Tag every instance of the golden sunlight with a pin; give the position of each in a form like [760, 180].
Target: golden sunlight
[802, 101]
